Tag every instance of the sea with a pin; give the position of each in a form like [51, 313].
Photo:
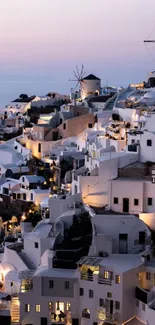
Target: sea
[11, 89]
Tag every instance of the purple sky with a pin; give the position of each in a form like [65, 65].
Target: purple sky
[50, 37]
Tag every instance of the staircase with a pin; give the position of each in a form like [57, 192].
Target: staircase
[15, 310]
[26, 260]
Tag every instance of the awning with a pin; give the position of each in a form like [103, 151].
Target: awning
[135, 321]
[91, 261]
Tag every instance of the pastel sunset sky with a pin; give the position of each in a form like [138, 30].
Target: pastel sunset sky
[50, 37]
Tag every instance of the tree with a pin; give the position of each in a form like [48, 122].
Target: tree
[23, 96]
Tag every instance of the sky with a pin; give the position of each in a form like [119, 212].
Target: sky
[44, 40]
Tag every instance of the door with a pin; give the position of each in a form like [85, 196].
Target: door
[123, 243]
[111, 307]
[141, 237]
[126, 205]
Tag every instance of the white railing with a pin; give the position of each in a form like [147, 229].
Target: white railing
[105, 281]
[86, 276]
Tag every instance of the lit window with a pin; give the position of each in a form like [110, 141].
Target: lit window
[50, 305]
[37, 308]
[60, 306]
[68, 306]
[118, 279]
[27, 308]
[106, 274]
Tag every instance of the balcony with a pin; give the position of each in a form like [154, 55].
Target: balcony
[105, 281]
[143, 295]
[86, 276]
[110, 318]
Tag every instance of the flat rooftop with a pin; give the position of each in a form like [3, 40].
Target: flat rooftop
[122, 263]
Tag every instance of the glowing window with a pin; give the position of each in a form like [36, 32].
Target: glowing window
[106, 274]
[37, 308]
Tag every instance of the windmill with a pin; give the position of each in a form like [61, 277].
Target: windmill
[79, 75]
[149, 43]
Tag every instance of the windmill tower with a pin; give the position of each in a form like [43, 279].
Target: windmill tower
[79, 75]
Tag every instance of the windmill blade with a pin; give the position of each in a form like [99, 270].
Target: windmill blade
[73, 80]
[78, 72]
[76, 76]
[76, 86]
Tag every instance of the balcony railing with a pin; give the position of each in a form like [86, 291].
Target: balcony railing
[111, 317]
[105, 281]
[86, 276]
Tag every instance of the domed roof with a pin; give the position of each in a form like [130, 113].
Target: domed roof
[150, 124]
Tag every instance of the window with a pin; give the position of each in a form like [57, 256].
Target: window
[50, 305]
[117, 279]
[117, 305]
[31, 196]
[64, 126]
[66, 285]
[36, 245]
[23, 179]
[18, 196]
[106, 274]
[137, 303]
[136, 202]
[87, 158]
[55, 136]
[24, 196]
[43, 321]
[27, 308]
[11, 284]
[51, 284]
[101, 302]
[115, 200]
[81, 292]
[149, 201]
[37, 308]
[143, 306]
[91, 293]
[68, 306]
[148, 276]
[90, 125]
[109, 294]
[133, 141]
[39, 147]
[149, 143]
[142, 236]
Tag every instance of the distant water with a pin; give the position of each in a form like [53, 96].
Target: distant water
[11, 89]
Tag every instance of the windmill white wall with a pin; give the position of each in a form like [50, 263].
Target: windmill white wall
[90, 86]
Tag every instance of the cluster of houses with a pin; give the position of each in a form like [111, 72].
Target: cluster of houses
[91, 259]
